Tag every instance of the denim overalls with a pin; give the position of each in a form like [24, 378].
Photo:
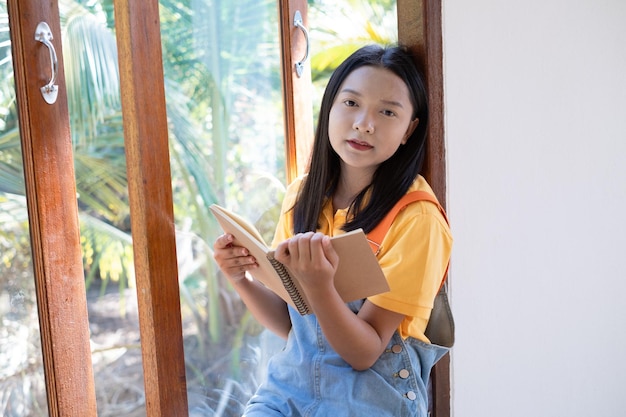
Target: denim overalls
[307, 378]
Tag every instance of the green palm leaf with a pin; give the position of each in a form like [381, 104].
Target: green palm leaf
[90, 64]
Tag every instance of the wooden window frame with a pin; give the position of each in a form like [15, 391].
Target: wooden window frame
[420, 28]
[53, 214]
[296, 89]
[138, 33]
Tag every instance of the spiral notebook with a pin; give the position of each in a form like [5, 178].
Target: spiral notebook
[358, 276]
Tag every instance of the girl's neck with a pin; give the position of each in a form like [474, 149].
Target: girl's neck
[350, 184]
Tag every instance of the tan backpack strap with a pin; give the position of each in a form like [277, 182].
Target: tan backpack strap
[376, 236]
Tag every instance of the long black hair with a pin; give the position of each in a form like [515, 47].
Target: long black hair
[393, 177]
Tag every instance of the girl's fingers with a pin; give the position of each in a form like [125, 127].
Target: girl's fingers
[329, 251]
[304, 245]
[299, 246]
[243, 261]
[224, 248]
[316, 249]
[233, 260]
[235, 268]
[293, 248]
[223, 241]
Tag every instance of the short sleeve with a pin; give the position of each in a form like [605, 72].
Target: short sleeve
[284, 227]
[414, 257]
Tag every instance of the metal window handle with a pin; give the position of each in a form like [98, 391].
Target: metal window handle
[297, 22]
[49, 91]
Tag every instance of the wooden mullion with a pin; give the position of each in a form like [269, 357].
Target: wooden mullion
[419, 27]
[53, 213]
[296, 90]
[152, 218]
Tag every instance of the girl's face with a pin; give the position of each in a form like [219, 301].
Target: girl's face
[370, 118]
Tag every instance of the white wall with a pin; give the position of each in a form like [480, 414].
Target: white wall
[536, 136]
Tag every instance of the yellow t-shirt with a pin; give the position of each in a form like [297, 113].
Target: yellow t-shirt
[414, 255]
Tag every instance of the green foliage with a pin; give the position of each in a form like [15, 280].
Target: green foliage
[338, 28]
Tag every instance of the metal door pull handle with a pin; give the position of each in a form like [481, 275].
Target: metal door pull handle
[49, 91]
[297, 22]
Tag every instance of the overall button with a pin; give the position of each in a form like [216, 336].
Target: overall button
[404, 374]
[411, 395]
[396, 348]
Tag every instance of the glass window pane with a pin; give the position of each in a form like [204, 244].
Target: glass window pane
[222, 70]
[22, 384]
[224, 102]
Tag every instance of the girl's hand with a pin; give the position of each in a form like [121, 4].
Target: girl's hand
[312, 258]
[233, 260]
[268, 308]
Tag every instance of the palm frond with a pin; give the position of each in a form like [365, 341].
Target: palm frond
[91, 72]
[339, 28]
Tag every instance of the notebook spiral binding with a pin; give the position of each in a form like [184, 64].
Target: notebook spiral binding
[293, 292]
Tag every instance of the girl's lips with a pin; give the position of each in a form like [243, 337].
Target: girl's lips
[359, 145]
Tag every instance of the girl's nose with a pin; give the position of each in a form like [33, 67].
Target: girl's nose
[363, 125]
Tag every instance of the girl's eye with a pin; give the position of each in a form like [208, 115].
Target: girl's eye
[388, 113]
[350, 103]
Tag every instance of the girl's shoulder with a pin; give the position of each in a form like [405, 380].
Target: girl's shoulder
[420, 184]
[422, 207]
[292, 191]
[284, 227]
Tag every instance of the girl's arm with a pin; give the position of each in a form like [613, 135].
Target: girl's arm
[268, 308]
[360, 338]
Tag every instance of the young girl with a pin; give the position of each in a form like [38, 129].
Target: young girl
[371, 357]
